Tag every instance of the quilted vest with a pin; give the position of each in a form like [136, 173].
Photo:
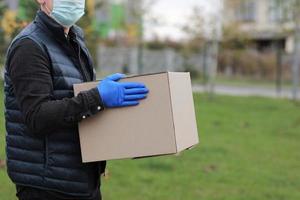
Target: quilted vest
[49, 161]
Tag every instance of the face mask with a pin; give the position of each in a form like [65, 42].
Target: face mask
[67, 12]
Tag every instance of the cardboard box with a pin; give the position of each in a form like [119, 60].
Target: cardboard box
[162, 124]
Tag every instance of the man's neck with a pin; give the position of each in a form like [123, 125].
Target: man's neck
[43, 8]
[66, 30]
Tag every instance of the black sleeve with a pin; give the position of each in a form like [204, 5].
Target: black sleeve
[29, 70]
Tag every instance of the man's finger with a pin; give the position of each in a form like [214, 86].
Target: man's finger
[136, 91]
[134, 97]
[130, 85]
[130, 103]
[116, 77]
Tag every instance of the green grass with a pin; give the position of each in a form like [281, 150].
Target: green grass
[249, 150]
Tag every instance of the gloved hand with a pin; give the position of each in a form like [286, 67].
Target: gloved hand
[116, 94]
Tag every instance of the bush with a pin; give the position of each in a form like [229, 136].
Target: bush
[248, 63]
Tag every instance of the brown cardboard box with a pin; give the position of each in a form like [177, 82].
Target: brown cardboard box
[164, 123]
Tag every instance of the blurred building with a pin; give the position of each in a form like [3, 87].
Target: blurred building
[267, 23]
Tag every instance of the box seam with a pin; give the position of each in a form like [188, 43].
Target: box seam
[130, 76]
[139, 75]
[172, 113]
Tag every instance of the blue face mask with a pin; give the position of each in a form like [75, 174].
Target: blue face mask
[67, 12]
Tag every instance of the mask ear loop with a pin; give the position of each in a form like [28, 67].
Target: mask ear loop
[46, 8]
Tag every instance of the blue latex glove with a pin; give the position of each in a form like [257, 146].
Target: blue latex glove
[116, 94]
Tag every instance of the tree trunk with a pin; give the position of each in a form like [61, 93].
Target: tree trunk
[295, 67]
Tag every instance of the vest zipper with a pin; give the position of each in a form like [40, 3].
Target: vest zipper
[46, 152]
[78, 55]
[80, 63]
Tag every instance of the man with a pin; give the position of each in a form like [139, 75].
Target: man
[41, 112]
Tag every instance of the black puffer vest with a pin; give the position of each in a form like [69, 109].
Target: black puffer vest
[49, 161]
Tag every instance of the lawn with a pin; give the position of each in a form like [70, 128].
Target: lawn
[250, 149]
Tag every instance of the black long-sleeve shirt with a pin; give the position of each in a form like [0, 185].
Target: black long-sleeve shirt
[28, 67]
[32, 83]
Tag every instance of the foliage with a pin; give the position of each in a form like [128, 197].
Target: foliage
[87, 23]
[11, 22]
[233, 38]
[2, 47]
[157, 44]
[27, 10]
[248, 63]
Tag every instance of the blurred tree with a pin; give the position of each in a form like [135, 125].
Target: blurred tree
[195, 29]
[233, 37]
[2, 47]
[9, 24]
[296, 61]
[90, 26]
[204, 34]
[27, 10]
[91, 35]
[281, 12]
[291, 11]
[234, 51]
[139, 11]
[12, 21]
